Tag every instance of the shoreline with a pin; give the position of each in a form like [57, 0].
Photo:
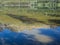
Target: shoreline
[18, 28]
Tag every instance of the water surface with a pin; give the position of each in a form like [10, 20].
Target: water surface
[41, 36]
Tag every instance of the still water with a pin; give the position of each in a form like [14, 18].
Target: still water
[41, 36]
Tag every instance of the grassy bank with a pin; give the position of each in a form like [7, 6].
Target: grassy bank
[20, 16]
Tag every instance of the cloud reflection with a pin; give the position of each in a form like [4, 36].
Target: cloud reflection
[30, 37]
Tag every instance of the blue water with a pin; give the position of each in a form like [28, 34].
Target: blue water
[8, 37]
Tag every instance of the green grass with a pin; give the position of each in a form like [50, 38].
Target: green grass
[22, 12]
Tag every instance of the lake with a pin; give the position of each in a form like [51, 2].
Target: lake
[41, 36]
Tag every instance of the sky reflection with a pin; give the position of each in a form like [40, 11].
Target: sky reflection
[31, 37]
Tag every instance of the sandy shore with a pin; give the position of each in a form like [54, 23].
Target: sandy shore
[18, 28]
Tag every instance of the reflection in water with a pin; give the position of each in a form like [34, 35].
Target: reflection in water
[31, 37]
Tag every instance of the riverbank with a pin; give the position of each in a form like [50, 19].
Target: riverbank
[18, 28]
